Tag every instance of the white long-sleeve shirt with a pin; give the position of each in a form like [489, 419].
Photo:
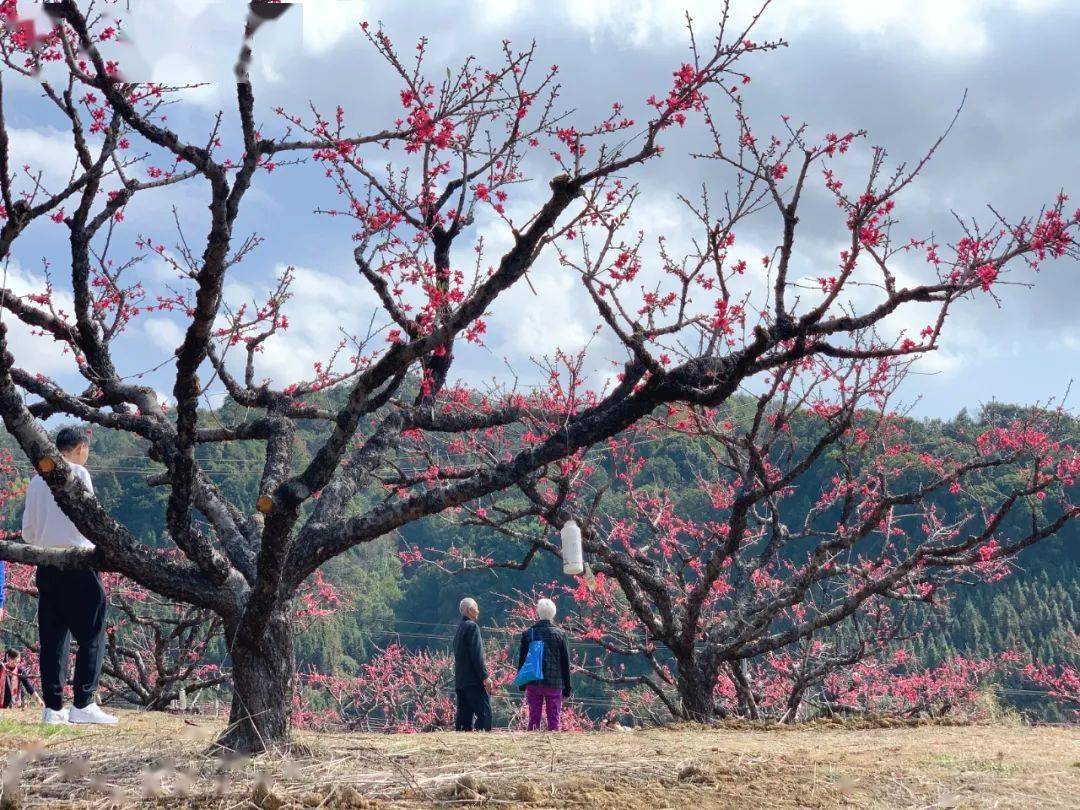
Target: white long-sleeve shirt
[43, 524]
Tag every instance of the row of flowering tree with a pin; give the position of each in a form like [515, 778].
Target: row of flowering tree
[155, 648]
[409, 691]
[861, 668]
[159, 654]
[491, 144]
[1062, 682]
[695, 591]
[778, 690]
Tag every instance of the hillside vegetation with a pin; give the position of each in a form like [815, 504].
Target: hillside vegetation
[1033, 610]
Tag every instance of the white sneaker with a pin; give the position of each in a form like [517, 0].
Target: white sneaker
[91, 713]
[51, 717]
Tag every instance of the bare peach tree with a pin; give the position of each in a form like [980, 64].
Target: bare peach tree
[411, 193]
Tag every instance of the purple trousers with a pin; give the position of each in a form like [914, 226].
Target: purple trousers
[540, 696]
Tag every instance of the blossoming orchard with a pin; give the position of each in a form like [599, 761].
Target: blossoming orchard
[750, 601]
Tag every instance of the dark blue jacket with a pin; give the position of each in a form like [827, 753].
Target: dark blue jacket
[469, 667]
[556, 654]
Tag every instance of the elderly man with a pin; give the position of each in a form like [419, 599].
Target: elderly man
[471, 678]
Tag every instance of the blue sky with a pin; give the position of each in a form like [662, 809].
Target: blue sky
[898, 69]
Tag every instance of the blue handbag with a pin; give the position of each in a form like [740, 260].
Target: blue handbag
[533, 668]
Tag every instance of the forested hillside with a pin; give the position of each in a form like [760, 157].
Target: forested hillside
[1034, 610]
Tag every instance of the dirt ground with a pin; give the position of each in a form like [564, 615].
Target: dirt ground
[162, 761]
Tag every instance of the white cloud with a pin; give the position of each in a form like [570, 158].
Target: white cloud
[941, 27]
[950, 27]
[549, 319]
[37, 354]
[202, 47]
[44, 149]
[179, 67]
[163, 333]
[328, 22]
[324, 309]
[498, 13]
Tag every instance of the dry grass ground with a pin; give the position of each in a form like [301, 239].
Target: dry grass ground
[161, 760]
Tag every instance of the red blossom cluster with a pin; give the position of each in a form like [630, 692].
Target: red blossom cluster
[403, 691]
[398, 691]
[1062, 681]
[317, 599]
[892, 688]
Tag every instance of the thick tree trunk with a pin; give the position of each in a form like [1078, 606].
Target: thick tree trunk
[262, 689]
[695, 689]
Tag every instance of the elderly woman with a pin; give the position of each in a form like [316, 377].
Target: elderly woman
[555, 685]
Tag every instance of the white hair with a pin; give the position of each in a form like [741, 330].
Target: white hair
[545, 609]
[467, 604]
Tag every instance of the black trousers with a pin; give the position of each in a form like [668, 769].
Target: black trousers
[70, 603]
[473, 702]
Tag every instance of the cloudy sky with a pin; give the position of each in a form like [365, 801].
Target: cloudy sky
[898, 69]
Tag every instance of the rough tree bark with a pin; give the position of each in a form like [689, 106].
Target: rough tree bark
[695, 690]
[263, 670]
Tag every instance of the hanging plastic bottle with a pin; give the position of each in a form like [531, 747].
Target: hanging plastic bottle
[573, 559]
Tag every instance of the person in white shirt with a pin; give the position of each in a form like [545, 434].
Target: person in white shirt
[71, 602]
